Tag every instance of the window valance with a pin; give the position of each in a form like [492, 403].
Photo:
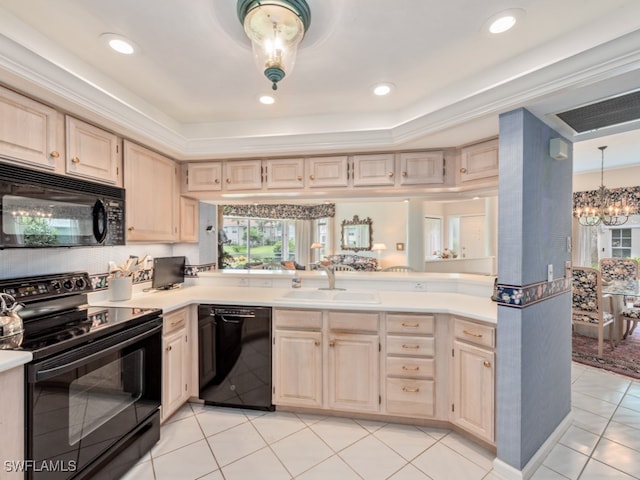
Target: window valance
[620, 196]
[282, 211]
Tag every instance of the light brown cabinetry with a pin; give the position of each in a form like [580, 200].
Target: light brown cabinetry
[205, 176]
[421, 168]
[284, 173]
[410, 365]
[242, 175]
[479, 161]
[374, 170]
[297, 358]
[176, 361]
[12, 420]
[327, 172]
[92, 153]
[151, 181]
[30, 133]
[473, 378]
[189, 220]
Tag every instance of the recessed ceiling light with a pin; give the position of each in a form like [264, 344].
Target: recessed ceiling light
[503, 21]
[382, 89]
[267, 100]
[119, 43]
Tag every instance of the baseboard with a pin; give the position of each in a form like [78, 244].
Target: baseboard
[507, 472]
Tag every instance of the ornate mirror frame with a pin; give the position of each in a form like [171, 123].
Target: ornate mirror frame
[361, 231]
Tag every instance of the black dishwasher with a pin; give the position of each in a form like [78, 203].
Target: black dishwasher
[234, 356]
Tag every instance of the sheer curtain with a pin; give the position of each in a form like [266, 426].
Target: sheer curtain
[303, 241]
[586, 254]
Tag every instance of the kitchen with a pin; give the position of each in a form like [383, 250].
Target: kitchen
[69, 94]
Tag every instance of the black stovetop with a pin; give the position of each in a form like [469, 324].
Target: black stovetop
[57, 317]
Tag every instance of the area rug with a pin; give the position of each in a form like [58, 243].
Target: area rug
[624, 359]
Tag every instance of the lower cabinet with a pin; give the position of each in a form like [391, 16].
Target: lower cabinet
[473, 378]
[176, 361]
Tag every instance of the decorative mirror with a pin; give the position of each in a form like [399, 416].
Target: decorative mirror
[357, 234]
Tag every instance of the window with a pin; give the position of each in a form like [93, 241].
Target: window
[254, 241]
[620, 242]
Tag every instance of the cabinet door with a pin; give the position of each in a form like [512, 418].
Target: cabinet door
[92, 153]
[354, 372]
[473, 389]
[204, 176]
[479, 161]
[28, 131]
[174, 372]
[327, 172]
[297, 368]
[189, 220]
[373, 170]
[151, 181]
[206, 351]
[243, 175]
[418, 168]
[287, 173]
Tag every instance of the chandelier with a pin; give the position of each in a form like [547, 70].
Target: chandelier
[275, 28]
[605, 209]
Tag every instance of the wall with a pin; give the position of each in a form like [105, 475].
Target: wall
[389, 227]
[613, 178]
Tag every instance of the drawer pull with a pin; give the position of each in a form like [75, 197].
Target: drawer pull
[410, 368]
[486, 363]
[477, 335]
[410, 347]
[410, 325]
[316, 343]
[410, 389]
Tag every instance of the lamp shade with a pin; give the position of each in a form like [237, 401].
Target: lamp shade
[316, 245]
[378, 247]
[275, 28]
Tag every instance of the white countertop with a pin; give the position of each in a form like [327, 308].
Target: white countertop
[471, 306]
[10, 359]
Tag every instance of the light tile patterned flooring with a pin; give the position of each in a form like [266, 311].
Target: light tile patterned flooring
[211, 443]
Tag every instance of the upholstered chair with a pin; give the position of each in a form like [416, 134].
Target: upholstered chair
[588, 304]
[398, 268]
[623, 269]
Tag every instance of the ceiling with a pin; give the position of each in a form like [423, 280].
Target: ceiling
[192, 88]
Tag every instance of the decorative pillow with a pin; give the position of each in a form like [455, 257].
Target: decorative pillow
[290, 265]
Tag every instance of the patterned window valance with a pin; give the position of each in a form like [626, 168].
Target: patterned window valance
[281, 211]
[620, 196]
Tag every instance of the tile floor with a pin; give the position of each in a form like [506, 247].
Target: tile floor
[212, 443]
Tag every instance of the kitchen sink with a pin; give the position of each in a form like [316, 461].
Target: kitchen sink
[331, 296]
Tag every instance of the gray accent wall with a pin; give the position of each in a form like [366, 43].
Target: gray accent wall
[533, 390]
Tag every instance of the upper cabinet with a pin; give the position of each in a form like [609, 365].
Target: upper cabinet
[284, 173]
[328, 172]
[243, 175]
[479, 161]
[151, 181]
[205, 176]
[374, 170]
[30, 132]
[422, 168]
[92, 153]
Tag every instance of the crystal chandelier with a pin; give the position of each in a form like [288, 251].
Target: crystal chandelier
[605, 209]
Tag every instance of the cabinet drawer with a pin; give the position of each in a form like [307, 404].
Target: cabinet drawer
[410, 397]
[410, 367]
[358, 321]
[414, 346]
[311, 319]
[400, 323]
[474, 333]
[174, 321]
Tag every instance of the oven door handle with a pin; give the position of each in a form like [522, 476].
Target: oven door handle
[38, 375]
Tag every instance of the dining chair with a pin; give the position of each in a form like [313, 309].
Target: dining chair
[398, 268]
[588, 304]
[623, 269]
[342, 268]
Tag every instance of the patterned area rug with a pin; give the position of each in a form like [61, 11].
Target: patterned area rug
[624, 359]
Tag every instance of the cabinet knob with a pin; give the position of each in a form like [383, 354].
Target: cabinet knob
[332, 343]
[228, 180]
[54, 154]
[463, 170]
[486, 363]
[404, 174]
[390, 174]
[130, 229]
[299, 179]
[169, 348]
[316, 343]
[75, 160]
[312, 177]
[217, 180]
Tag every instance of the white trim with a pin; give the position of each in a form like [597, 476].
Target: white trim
[508, 472]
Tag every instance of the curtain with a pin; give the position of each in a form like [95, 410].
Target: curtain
[586, 246]
[303, 241]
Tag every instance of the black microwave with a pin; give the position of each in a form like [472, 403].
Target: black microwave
[41, 209]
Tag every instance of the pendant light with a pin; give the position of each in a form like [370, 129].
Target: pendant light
[275, 28]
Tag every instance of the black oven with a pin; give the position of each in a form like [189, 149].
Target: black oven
[93, 388]
[40, 209]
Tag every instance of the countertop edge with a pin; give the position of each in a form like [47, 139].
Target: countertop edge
[11, 359]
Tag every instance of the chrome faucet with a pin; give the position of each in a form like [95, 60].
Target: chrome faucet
[331, 275]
